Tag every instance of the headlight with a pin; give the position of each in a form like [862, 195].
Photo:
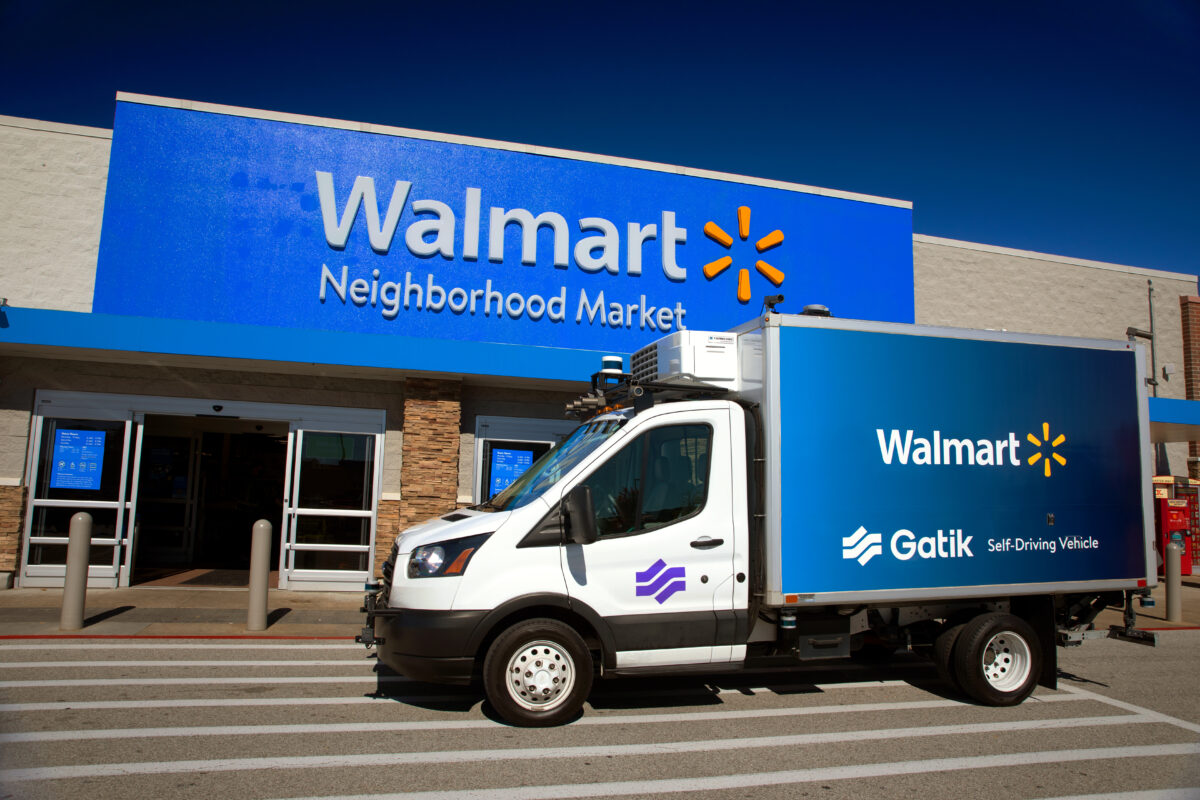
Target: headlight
[444, 558]
[427, 561]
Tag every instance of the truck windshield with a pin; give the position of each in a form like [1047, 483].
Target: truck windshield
[551, 467]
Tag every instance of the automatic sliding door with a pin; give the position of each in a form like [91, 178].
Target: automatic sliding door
[331, 508]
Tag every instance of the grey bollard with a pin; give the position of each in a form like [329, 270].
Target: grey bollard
[75, 584]
[1171, 575]
[260, 569]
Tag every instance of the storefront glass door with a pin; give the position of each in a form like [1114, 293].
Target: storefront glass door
[175, 484]
[166, 498]
[330, 504]
[81, 465]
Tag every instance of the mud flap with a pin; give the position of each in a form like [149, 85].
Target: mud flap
[1038, 611]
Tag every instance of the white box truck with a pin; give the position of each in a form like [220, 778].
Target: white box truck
[798, 488]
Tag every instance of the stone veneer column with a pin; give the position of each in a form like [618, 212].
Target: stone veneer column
[429, 471]
[12, 514]
[1189, 315]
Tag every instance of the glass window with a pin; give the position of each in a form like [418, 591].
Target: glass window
[551, 467]
[80, 460]
[333, 530]
[330, 560]
[658, 478]
[336, 470]
[617, 490]
[56, 521]
[56, 555]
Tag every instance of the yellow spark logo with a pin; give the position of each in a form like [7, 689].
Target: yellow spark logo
[1033, 459]
[711, 270]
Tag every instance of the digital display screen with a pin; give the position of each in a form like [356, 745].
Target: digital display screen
[78, 459]
[506, 466]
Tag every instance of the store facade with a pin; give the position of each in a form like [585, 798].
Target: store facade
[217, 315]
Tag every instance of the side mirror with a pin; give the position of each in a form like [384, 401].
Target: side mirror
[579, 515]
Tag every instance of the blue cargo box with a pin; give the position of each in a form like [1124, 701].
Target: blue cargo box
[915, 463]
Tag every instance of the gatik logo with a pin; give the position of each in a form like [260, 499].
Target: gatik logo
[904, 545]
[660, 581]
[862, 546]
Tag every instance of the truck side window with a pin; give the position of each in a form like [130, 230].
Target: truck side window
[658, 478]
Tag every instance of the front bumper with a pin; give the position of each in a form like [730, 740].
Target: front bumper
[424, 645]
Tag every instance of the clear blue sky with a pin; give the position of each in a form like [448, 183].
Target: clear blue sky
[1068, 127]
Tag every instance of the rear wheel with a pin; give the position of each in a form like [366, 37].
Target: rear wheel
[943, 655]
[997, 659]
[538, 673]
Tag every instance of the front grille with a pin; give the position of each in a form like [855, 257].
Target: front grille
[643, 365]
[388, 571]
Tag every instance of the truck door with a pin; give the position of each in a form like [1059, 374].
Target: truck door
[663, 565]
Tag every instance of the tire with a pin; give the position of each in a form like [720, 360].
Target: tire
[943, 655]
[538, 673]
[997, 659]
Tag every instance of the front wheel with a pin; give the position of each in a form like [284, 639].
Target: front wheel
[997, 659]
[538, 673]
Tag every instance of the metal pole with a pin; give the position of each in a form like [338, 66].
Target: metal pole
[260, 568]
[1171, 575]
[75, 584]
[1153, 355]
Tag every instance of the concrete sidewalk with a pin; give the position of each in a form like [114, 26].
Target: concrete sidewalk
[183, 612]
[1155, 618]
[141, 611]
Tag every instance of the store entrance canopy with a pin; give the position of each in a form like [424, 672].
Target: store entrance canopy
[1174, 420]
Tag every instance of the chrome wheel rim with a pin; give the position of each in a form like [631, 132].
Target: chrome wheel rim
[1006, 661]
[540, 675]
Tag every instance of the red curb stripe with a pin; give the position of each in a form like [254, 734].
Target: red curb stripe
[1176, 628]
[167, 636]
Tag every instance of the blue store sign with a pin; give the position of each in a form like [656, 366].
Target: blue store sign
[232, 219]
[78, 459]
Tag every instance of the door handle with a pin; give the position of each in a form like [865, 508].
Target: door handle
[707, 543]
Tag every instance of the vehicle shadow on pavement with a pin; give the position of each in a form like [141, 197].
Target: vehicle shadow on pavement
[812, 678]
[430, 696]
[1063, 675]
[673, 692]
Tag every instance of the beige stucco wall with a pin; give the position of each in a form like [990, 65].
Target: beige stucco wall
[963, 284]
[52, 196]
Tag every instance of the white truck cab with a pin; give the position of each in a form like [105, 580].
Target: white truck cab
[662, 583]
[657, 538]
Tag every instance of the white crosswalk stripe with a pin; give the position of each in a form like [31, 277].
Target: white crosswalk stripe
[744, 781]
[335, 728]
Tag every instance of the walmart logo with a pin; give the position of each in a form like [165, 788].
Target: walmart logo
[904, 447]
[1051, 456]
[773, 239]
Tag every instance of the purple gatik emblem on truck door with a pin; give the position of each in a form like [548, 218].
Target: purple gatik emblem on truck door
[660, 581]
